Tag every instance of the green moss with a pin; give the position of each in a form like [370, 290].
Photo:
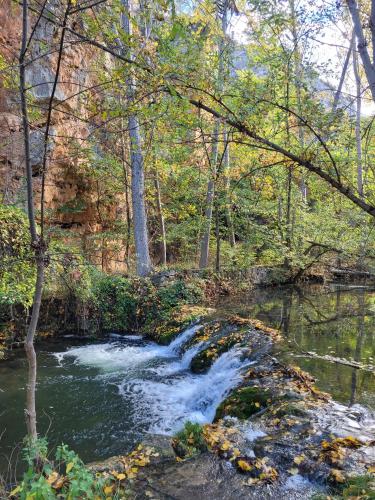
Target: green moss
[244, 402]
[204, 359]
[164, 331]
[290, 409]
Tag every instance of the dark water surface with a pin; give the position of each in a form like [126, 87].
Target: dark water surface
[334, 320]
[101, 398]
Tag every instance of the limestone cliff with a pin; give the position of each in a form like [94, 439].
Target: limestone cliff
[73, 200]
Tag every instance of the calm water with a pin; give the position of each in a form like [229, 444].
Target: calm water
[336, 320]
[101, 398]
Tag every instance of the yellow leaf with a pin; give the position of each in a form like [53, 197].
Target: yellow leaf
[121, 476]
[141, 462]
[337, 475]
[244, 465]
[293, 471]
[257, 404]
[225, 446]
[52, 477]
[108, 490]
[371, 469]
[298, 460]
[69, 467]
[15, 491]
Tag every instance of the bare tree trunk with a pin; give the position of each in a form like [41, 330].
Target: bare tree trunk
[358, 125]
[362, 44]
[127, 202]
[297, 83]
[159, 205]
[30, 410]
[205, 242]
[343, 74]
[217, 234]
[37, 242]
[228, 214]
[143, 260]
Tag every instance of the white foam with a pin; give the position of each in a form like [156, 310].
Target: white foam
[113, 357]
[165, 405]
[157, 382]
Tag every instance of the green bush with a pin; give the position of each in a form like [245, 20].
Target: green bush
[17, 270]
[67, 477]
[136, 304]
[190, 440]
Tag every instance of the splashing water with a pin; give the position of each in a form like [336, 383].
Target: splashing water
[163, 393]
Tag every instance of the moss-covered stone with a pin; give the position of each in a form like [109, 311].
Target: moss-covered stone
[204, 359]
[244, 402]
[165, 330]
[287, 408]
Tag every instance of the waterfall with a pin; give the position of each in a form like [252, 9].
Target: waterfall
[156, 380]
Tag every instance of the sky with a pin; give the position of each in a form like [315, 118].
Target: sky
[327, 49]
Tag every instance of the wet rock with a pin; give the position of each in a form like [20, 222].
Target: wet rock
[206, 477]
[244, 402]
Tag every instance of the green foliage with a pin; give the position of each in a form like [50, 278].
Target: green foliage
[68, 275]
[134, 304]
[67, 477]
[17, 270]
[190, 440]
[360, 487]
[116, 302]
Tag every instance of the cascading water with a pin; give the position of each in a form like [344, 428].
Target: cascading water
[156, 381]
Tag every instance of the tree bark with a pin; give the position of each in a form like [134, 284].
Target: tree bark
[159, 206]
[226, 166]
[343, 74]
[297, 85]
[30, 410]
[205, 243]
[143, 260]
[362, 44]
[358, 139]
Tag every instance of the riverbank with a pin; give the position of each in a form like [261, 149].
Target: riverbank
[90, 304]
[273, 432]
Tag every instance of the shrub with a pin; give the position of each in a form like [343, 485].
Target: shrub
[190, 440]
[66, 478]
[17, 270]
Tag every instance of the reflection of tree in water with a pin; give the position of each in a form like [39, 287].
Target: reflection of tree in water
[337, 321]
[358, 348]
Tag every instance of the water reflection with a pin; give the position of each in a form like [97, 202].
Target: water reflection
[337, 320]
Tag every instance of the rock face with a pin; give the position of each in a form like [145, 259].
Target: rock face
[73, 198]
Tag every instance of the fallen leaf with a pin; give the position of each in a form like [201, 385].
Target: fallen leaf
[298, 460]
[244, 465]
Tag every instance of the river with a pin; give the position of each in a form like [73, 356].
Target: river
[102, 397]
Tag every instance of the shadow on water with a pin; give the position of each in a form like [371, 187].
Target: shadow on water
[336, 320]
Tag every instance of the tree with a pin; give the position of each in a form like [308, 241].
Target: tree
[137, 162]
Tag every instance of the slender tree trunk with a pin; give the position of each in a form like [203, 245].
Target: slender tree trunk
[205, 242]
[159, 205]
[343, 74]
[217, 234]
[358, 125]
[30, 410]
[143, 260]
[297, 83]
[228, 214]
[362, 44]
[127, 201]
